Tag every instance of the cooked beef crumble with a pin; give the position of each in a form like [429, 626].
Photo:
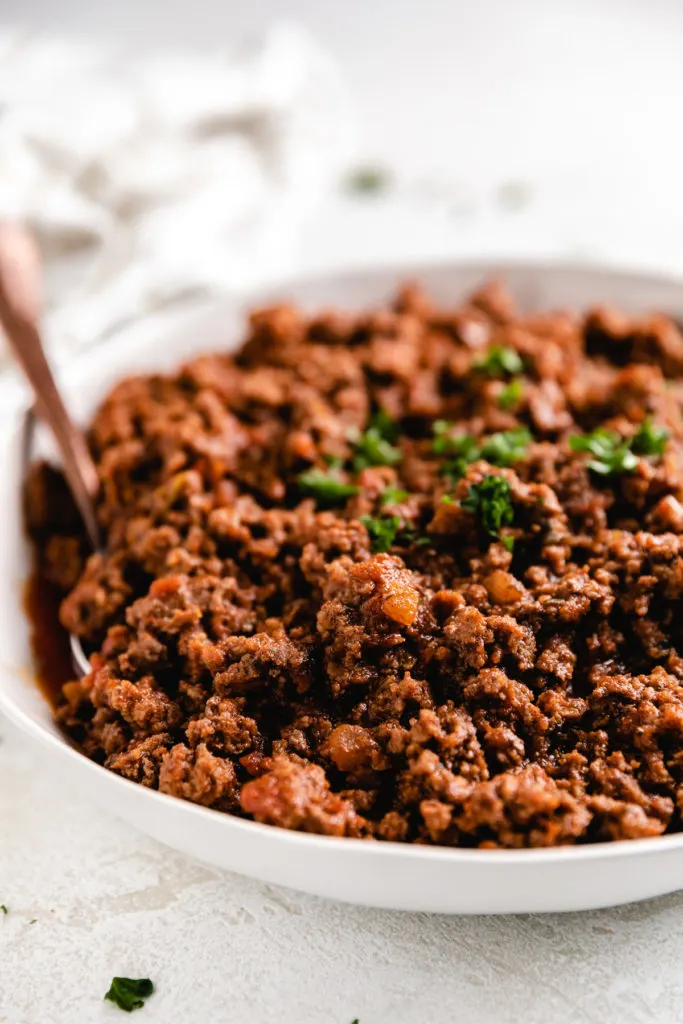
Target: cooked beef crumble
[413, 574]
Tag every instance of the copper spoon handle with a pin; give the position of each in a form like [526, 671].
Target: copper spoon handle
[20, 302]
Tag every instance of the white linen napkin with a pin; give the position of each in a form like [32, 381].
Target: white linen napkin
[149, 178]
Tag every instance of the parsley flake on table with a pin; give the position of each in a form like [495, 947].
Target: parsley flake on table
[511, 395]
[3, 908]
[375, 446]
[326, 487]
[490, 502]
[382, 531]
[611, 453]
[499, 361]
[368, 180]
[129, 993]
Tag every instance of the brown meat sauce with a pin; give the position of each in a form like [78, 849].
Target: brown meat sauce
[453, 642]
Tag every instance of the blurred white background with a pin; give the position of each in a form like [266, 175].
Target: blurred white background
[528, 126]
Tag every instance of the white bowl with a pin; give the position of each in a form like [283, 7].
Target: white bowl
[391, 875]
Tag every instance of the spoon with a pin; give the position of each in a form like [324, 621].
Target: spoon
[20, 308]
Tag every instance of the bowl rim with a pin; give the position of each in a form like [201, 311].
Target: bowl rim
[295, 840]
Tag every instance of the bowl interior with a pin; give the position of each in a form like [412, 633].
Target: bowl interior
[220, 327]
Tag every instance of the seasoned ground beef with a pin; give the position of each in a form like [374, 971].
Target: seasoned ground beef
[414, 574]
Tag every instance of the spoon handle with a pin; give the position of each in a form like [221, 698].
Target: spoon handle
[19, 313]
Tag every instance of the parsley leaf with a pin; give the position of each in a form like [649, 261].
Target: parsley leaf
[447, 443]
[490, 502]
[506, 447]
[611, 453]
[393, 495]
[375, 447]
[129, 993]
[502, 449]
[442, 439]
[368, 180]
[614, 454]
[388, 428]
[500, 360]
[326, 487]
[511, 394]
[382, 531]
[461, 449]
[649, 439]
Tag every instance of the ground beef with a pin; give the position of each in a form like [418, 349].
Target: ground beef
[413, 574]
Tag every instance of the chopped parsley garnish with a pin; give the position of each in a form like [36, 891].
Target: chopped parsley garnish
[368, 180]
[499, 361]
[387, 427]
[375, 447]
[382, 531]
[611, 453]
[333, 461]
[502, 449]
[446, 443]
[490, 502]
[410, 536]
[326, 487]
[385, 530]
[393, 495]
[129, 993]
[461, 449]
[649, 439]
[511, 394]
[506, 447]
[614, 454]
